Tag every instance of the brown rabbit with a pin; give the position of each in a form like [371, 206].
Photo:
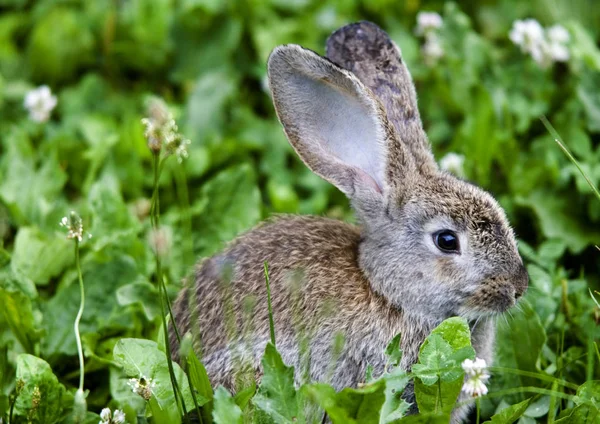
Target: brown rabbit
[429, 245]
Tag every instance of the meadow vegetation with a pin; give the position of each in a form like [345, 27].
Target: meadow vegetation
[210, 161]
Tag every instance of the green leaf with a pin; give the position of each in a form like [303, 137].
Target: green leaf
[557, 220]
[394, 407]
[140, 357]
[589, 392]
[393, 351]
[584, 413]
[103, 274]
[30, 190]
[349, 406]
[440, 358]
[39, 256]
[163, 413]
[201, 384]
[59, 45]
[518, 346]
[426, 419]
[38, 377]
[140, 293]
[277, 395]
[18, 313]
[233, 206]
[511, 413]
[225, 410]
[206, 104]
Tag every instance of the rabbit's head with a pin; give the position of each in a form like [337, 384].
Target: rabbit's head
[432, 244]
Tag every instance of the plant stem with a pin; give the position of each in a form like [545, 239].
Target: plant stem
[12, 408]
[271, 322]
[154, 217]
[79, 314]
[478, 405]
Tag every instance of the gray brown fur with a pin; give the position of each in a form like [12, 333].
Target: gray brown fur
[369, 282]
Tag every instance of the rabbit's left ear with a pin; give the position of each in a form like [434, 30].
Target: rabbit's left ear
[337, 127]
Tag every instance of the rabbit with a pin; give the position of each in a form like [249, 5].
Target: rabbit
[428, 246]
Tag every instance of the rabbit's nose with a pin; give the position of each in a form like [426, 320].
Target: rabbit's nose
[521, 281]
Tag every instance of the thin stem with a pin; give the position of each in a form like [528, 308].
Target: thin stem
[154, 216]
[478, 404]
[271, 322]
[12, 408]
[439, 385]
[79, 314]
[566, 151]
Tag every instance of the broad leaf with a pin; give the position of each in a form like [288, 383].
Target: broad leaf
[440, 359]
[277, 396]
[40, 383]
[225, 410]
[511, 413]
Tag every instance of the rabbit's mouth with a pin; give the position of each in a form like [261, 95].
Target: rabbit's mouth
[496, 294]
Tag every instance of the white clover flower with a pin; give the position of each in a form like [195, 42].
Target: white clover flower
[454, 163]
[40, 102]
[432, 49]
[427, 22]
[74, 225]
[142, 386]
[558, 34]
[527, 34]
[558, 38]
[545, 47]
[477, 376]
[107, 417]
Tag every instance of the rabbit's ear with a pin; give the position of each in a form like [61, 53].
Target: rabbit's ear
[335, 124]
[368, 52]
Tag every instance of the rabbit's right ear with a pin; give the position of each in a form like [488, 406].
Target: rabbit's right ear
[336, 125]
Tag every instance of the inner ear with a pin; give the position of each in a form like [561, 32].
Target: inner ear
[332, 120]
[342, 126]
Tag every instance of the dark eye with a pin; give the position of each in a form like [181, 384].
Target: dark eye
[446, 241]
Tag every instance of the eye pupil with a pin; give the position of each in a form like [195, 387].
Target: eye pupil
[446, 241]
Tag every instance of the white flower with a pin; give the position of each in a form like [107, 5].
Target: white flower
[528, 34]
[453, 162]
[74, 225]
[544, 47]
[40, 102]
[477, 376]
[558, 38]
[558, 52]
[107, 417]
[432, 49]
[142, 386]
[118, 417]
[558, 34]
[427, 22]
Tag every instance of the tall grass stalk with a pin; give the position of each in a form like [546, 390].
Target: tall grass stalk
[269, 305]
[566, 151]
[155, 222]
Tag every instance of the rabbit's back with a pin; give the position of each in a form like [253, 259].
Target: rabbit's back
[317, 290]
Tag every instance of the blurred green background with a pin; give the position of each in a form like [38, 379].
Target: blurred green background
[206, 58]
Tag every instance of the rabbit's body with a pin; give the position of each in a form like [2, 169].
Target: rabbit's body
[429, 246]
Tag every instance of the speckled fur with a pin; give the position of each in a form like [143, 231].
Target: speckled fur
[367, 282]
